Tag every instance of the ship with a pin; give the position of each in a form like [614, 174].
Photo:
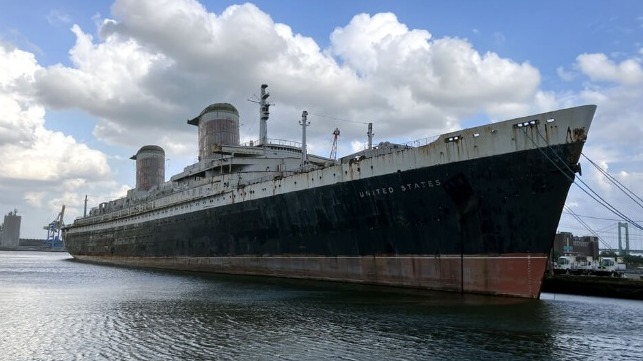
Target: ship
[470, 211]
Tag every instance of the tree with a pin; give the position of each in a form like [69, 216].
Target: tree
[608, 254]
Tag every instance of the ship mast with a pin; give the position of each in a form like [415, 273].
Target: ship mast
[304, 123]
[264, 113]
[333, 150]
[370, 135]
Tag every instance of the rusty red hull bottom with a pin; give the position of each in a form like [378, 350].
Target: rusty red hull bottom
[517, 275]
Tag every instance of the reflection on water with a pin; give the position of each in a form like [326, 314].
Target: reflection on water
[53, 308]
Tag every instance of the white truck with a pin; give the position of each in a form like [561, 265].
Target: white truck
[609, 266]
[577, 265]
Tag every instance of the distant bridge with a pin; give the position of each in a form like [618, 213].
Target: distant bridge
[618, 252]
[621, 238]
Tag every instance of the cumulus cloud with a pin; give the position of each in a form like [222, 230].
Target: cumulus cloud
[415, 72]
[37, 163]
[598, 67]
[617, 88]
[28, 150]
[106, 81]
[614, 141]
[142, 75]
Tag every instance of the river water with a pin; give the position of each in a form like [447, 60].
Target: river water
[55, 308]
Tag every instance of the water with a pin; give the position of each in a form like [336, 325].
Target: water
[54, 308]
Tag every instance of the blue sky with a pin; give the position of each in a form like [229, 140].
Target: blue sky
[88, 83]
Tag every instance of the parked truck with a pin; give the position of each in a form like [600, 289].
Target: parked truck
[577, 265]
[580, 265]
[609, 266]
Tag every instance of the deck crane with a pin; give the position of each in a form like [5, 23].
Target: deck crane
[53, 230]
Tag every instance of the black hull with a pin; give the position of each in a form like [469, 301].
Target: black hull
[482, 206]
[502, 205]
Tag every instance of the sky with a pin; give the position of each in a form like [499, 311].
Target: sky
[85, 84]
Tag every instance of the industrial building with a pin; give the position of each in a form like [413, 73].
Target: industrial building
[10, 230]
[566, 243]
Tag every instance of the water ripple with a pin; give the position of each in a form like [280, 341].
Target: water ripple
[56, 309]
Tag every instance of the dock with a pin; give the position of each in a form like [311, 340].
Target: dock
[629, 287]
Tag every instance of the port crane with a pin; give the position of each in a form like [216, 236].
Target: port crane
[53, 230]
